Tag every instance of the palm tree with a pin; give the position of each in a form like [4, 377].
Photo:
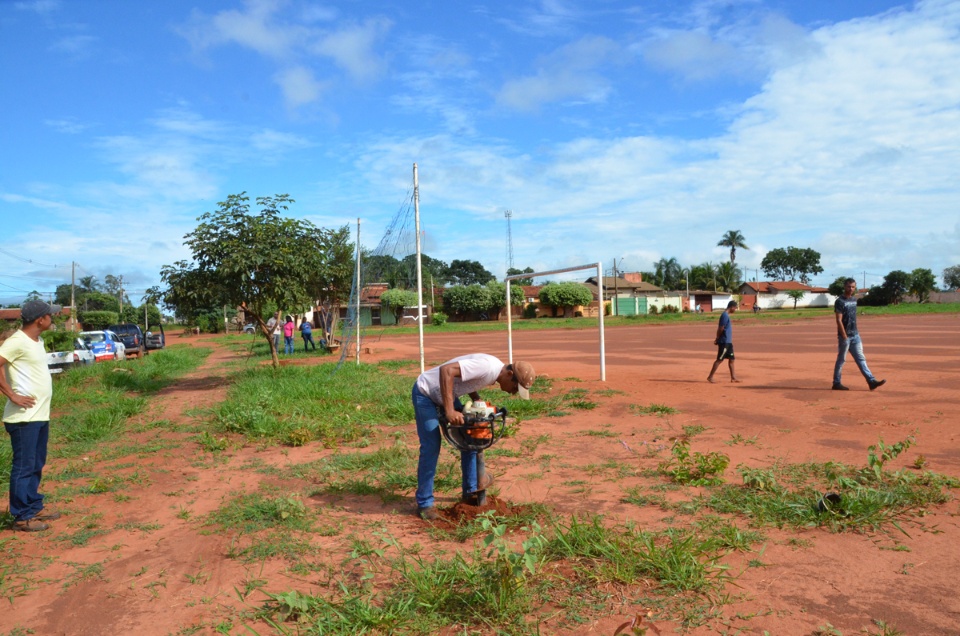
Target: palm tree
[733, 239]
[668, 273]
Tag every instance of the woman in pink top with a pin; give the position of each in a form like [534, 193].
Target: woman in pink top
[288, 329]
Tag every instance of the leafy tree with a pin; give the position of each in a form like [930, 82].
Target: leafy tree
[463, 300]
[951, 277]
[733, 239]
[797, 295]
[703, 276]
[895, 286]
[97, 319]
[397, 299]
[668, 274]
[62, 295]
[434, 267]
[836, 287]
[791, 263]
[498, 296]
[567, 295]
[513, 271]
[89, 283]
[727, 276]
[922, 282]
[464, 272]
[332, 276]
[261, 260]
[98, 301]
[381, 268]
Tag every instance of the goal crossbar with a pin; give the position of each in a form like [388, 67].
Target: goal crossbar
[596, 266]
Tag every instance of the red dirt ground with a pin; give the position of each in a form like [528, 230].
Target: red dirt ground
[155, 571]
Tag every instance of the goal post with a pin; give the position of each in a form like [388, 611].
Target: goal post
[599, 268]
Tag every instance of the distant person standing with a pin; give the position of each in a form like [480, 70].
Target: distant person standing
[306, 332]
[848, 338]
[288, 329]
[273, 326]
[724, 342]
[26, 382]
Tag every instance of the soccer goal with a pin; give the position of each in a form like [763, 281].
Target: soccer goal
[595, 266]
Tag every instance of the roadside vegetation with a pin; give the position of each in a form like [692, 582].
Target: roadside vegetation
[92, 403]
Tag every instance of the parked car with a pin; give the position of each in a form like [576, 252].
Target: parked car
[105, 345]
[249, 328]
[60, 361]
[132, 338]
[155, 340]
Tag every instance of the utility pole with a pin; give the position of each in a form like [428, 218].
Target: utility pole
[509, 215]
[73, 291]
[616, 287]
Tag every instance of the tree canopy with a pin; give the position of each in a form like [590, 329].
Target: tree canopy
[567, 295]
[668, 274]
[733, 239]
[951, 277]
[513, 271]
[464, 272]
[792, 263]
[397, 299]
[922, 282]
[261, 260]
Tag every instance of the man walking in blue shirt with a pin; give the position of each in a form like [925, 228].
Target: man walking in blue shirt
[724, 342]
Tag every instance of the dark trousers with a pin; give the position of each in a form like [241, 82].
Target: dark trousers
[308, 339]
[29, 441]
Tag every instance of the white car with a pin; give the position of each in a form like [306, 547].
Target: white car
[105, 345]
[60, 361]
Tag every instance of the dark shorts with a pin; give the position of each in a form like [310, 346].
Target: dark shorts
[725, 351]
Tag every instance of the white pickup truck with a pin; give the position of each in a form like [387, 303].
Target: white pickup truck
[60, 361]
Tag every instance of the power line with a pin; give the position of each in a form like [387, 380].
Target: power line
[27, 260]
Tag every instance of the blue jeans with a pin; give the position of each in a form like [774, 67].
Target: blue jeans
[29, 441]
[288, 344]
[855, 347]
[308, 339]
[428, 430]
[276, 342]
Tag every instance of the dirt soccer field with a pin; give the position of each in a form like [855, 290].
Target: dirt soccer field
[156, 568]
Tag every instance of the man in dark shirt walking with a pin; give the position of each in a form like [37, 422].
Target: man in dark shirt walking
[724, 342]
[848, 338]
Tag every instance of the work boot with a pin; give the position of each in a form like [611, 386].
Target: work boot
[876, 384]
[485, 481]
[47, 515]
[428, 514]
[839, 387]
[30, 525]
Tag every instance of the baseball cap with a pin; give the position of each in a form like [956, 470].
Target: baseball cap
[33, 309]
[525, 375]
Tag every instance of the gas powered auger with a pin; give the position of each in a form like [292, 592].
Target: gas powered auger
[482, 426]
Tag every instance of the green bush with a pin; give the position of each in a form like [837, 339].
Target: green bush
[670, 309]
[96, 320]
[439, 318]
[653, 310]
[530, 311]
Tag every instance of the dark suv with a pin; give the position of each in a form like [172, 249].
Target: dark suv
[132, 338]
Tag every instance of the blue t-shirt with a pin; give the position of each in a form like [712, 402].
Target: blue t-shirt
[847, 308]
[305, 328]
[727, 326]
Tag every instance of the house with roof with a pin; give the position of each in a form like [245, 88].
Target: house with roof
[630, 295]
[774, 295]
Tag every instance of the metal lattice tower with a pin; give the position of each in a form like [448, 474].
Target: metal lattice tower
[509, 215]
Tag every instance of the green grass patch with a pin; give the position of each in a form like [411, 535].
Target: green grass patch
[92, 403]
[865, 498]
[653, 409]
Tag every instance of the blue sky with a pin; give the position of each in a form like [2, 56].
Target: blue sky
[627, 130]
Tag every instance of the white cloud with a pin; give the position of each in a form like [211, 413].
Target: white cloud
[67, 125]
[299, 86]
[569, 73]
[352, 48]
[42, 7]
